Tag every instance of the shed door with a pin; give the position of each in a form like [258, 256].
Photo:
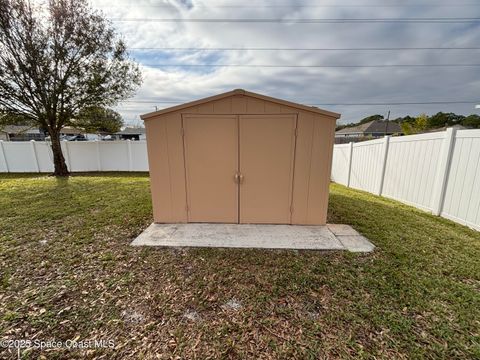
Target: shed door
[267, 147]
[211, 162]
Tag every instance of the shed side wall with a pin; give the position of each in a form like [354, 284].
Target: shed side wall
[320, 168]
[301, 175]
[159, 170]
[167, 170]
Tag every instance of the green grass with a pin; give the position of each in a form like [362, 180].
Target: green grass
[67, 271]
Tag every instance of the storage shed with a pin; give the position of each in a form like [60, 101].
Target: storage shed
[240, 157]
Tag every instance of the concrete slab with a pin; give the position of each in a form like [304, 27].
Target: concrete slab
[245, 236]
[356, 243]
[341, 229]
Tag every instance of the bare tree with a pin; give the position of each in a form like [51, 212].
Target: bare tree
[57, 59]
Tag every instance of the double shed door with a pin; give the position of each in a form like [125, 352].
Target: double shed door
[239, 168]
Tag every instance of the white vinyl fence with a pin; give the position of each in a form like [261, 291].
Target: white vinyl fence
[36, 156]
[437, 172]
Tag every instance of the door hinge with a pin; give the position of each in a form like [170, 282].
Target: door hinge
[296, 131]
[182, 131]
[187, 208]
[291, 209]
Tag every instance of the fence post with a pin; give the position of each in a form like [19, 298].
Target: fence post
[350, 154]
[99, 160]
[384, 164]
[129, 153]
[4, 155]
[35, 157]
[440, 185]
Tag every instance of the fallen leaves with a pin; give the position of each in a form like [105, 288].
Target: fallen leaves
[86, 282]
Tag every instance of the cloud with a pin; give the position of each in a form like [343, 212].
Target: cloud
[305, 85]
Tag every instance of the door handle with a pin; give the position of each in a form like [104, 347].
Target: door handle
[238, 178]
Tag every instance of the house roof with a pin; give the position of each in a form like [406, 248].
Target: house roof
[131, 131]
[354, 129]
[373, 126]
[384, 126]
[71, 130]
[443, 128]
[19, 129]
[244, 93]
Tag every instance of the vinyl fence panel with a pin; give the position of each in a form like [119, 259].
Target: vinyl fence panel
[44, 156]
[340, 163]
[139, 156]
[437, 172]
[81, 156]
[411, 167]
[19, 156]
[3, 159]
[462, 195]
[114, 155]
[366, 165]
[36, 156]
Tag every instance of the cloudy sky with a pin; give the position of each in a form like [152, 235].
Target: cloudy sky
[165, 86]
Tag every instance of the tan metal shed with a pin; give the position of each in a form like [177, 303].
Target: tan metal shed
[240, 157]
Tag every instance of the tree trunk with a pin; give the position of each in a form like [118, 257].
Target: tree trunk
[58, 159]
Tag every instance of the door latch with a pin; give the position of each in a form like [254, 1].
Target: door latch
[238, 178]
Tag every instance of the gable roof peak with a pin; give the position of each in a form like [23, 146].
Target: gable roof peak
[243, 93]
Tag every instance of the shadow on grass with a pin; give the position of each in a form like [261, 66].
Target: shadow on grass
[109, 174]
[112, 174]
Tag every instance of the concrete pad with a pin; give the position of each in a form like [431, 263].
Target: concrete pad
[244, 236]
[356, 243]
[239, 236]
[341, 229]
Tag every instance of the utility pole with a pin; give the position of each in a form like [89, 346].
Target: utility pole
[386, 122]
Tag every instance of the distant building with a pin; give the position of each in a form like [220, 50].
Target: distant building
[21, 133]
[71, 131]
[372, 129]
[131, 133]
[443, 128]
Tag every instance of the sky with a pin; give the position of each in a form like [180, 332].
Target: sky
[164, 86]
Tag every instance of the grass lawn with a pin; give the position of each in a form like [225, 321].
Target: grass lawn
[67, 272]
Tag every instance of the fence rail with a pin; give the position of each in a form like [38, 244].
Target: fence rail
[437, 172]
[36, 156]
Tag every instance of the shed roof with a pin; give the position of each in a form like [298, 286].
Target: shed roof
[243, 93]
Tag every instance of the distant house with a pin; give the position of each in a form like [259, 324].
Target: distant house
[443, 128]
[21, 133]
[372, 129]
[71, 131]
[131, 133]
